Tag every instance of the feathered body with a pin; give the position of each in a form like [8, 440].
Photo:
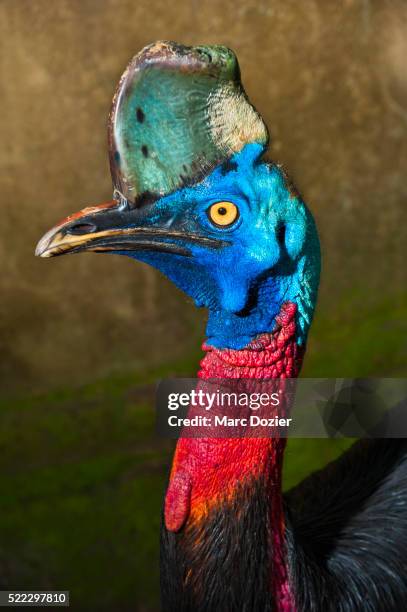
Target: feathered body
[195, 198]
[345, 538]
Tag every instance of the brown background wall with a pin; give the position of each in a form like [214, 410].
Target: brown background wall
[330, 79]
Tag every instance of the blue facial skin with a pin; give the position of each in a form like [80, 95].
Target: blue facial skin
[273, 256]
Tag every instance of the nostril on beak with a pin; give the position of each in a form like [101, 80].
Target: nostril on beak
[81, 228]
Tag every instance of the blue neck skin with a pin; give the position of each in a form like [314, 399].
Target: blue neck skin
[225, 329]
[272, 257]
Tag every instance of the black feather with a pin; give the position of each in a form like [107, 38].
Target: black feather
[346, 539]
[222, 563]
[347, 532]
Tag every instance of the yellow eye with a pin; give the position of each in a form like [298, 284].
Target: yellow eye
[223, 214]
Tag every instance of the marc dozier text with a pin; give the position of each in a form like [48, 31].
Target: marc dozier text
[200, 402]
[310, 408]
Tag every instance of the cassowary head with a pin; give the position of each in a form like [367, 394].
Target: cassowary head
[194, 198]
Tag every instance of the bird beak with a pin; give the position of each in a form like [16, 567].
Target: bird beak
[113, 226]
[73, 233]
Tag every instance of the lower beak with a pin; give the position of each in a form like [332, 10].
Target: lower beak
[106, 227]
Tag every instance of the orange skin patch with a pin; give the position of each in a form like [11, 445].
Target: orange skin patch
[208, 470]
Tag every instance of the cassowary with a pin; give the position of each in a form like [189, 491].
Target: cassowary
[194, 198]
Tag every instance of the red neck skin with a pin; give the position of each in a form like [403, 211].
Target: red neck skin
[206, 471]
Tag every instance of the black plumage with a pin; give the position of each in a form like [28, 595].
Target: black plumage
[222, 563]
[347, 532]
[346, 539]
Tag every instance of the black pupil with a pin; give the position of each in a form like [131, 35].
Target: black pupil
[222, 210]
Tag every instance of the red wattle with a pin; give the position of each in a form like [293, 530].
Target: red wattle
[207, 471]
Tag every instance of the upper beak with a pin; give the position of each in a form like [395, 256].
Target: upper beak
[114, 227]
[72, 233]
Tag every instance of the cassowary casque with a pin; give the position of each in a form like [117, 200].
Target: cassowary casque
[194, 197]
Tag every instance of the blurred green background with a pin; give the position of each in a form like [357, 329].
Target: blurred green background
[83, 340]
